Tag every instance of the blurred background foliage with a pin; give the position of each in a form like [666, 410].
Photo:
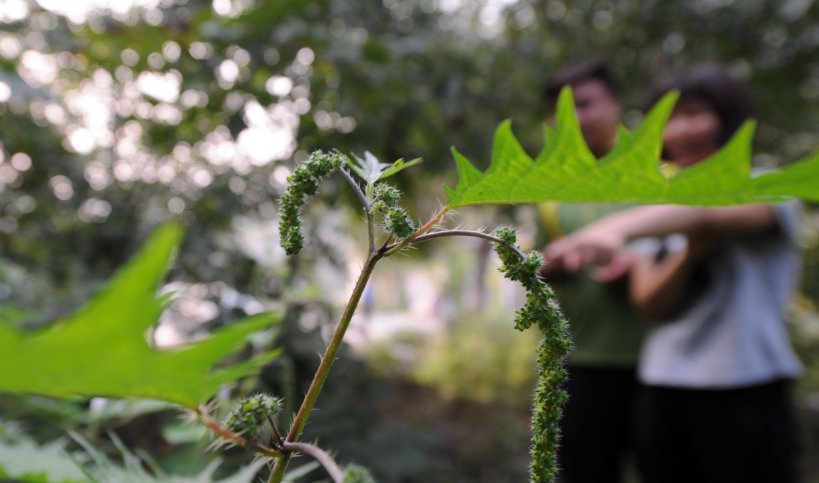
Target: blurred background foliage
[117, 115]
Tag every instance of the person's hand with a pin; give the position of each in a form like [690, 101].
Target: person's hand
[618, 267]
[589, 247]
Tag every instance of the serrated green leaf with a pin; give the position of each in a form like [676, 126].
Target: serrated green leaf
[398, 166]
[466, 171]
[124, 409]
[566, 171]
[101, 350]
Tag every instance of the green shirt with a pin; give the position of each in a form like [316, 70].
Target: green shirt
[607, 332]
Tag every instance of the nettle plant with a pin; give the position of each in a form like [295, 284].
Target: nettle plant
[101, 350]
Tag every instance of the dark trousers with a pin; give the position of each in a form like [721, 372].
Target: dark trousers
[596, 424]
[723, 436]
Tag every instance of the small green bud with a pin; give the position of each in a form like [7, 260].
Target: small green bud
[291, 240]
[533, 262]
[250, 415]
[357, 474]
[379, 207]
[398, 222]
[387, 194]
[309, 188]
[320, 164]
[506, 234]
[299, 177]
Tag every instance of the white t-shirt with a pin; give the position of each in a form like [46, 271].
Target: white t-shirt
[733, 334]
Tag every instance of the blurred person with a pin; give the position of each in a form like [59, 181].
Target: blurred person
[596, 92]
[717, 365]
[606, 330]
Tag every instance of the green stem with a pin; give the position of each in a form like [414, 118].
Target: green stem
[370, 218]
[472, 233]
[323, 370]
[371, 231]
[365, 199]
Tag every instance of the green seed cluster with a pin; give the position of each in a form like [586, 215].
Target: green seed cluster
[386, 196]
[541, 309]
[398, 222]
[388, 203]
[301, 184]
[357, 474]
[249, 416]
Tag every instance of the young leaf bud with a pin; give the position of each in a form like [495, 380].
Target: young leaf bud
[387, 194]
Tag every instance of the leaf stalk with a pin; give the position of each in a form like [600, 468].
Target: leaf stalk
[472, 233]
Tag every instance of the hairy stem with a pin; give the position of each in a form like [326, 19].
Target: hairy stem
[371, 231]
[477, 234]
[324, 367]
[318, 454]
[356, 189]
[432, 222]
[365, 203]
[370, 218]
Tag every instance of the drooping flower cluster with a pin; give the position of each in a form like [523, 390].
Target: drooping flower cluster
[300, 185]
[541, 309]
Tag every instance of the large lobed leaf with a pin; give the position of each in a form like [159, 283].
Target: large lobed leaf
[102, 350]
[566, 171]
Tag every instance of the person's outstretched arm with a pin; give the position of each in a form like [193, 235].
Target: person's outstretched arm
[596, 244]
[659, 288]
